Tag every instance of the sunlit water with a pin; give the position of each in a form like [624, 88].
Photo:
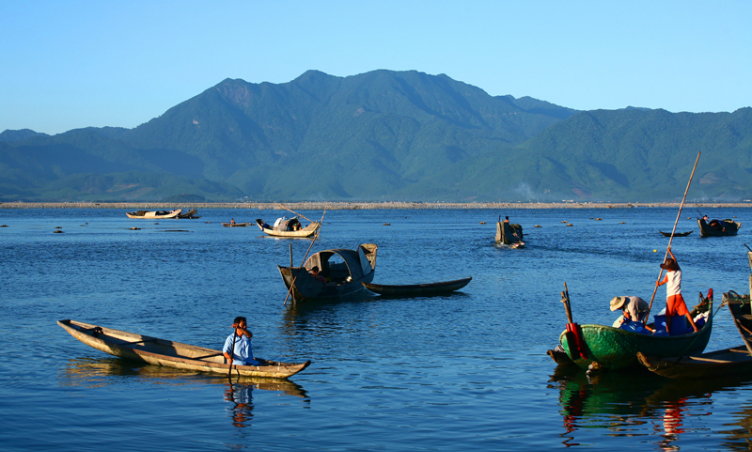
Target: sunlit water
[467, 371]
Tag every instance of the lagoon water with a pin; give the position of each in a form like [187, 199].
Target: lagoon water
[462, 372]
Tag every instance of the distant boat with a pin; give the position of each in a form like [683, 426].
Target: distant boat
[676, 234]
[718, 228]
[509, 234]
[343, 271]
[154, 214]
[166, 353]
[190, 215]
[290, 228]
[417, 290]
[235, 225]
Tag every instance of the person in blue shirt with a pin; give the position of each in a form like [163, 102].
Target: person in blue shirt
[242, 354]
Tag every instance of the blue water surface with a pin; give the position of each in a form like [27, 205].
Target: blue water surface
[465, 371]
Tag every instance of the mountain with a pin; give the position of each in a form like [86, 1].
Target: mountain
[383, 135]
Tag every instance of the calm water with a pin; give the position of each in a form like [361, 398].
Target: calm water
[467, 371]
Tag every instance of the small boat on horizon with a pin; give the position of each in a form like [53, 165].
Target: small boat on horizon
[676, 234]
[509, 234]
[154, 214]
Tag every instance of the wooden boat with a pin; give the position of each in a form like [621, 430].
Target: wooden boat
[290, 228]
[235, 225]
[154, 214]
[509, 234]
[417, 290]
[721, 363]
[166, 353]
[343, 270]
[676, 234]
[718, 228]
[611, 348]
[190, 215]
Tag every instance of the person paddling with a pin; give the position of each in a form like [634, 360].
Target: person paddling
[240, 344]
[675, 305]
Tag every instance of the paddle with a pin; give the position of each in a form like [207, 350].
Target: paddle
[655, 289]
[289, 291]
[232, 351]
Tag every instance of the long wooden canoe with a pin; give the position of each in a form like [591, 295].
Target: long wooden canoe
[235, 225]
[614, 348]
[721, 363]
[162, 352]
[417, 290]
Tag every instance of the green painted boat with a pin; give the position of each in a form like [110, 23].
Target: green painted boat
[611, 348]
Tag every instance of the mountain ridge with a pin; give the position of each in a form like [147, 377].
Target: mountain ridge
[382, 135]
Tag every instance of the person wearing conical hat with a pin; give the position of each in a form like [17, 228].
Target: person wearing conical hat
[675, 305]
[634, 309]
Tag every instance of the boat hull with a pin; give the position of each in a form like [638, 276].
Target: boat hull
[613, 348]
[417, 290]
[166, 353]
[721, 363]
[307, 288]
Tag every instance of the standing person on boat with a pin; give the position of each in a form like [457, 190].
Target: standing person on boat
[242, 354]
[634, 309]
[675, 305]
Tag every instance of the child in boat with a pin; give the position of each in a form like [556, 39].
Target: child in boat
[675, 305]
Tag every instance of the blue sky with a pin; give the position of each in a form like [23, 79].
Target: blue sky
[72, 64]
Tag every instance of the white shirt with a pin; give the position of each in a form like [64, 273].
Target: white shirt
[673, 286]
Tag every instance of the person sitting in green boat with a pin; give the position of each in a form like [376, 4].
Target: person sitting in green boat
[634, 309]
[240, 344]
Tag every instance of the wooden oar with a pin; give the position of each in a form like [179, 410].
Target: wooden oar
[232, 351]
[292, 285]
[660, 274]
[296, 213]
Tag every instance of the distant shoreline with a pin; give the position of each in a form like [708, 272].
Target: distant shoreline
[361, 205]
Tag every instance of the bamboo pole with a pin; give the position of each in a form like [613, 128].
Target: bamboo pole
[296, 213]
[678, 215]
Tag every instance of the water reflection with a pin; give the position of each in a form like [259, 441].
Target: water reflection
[241, 396]
[639, 403]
